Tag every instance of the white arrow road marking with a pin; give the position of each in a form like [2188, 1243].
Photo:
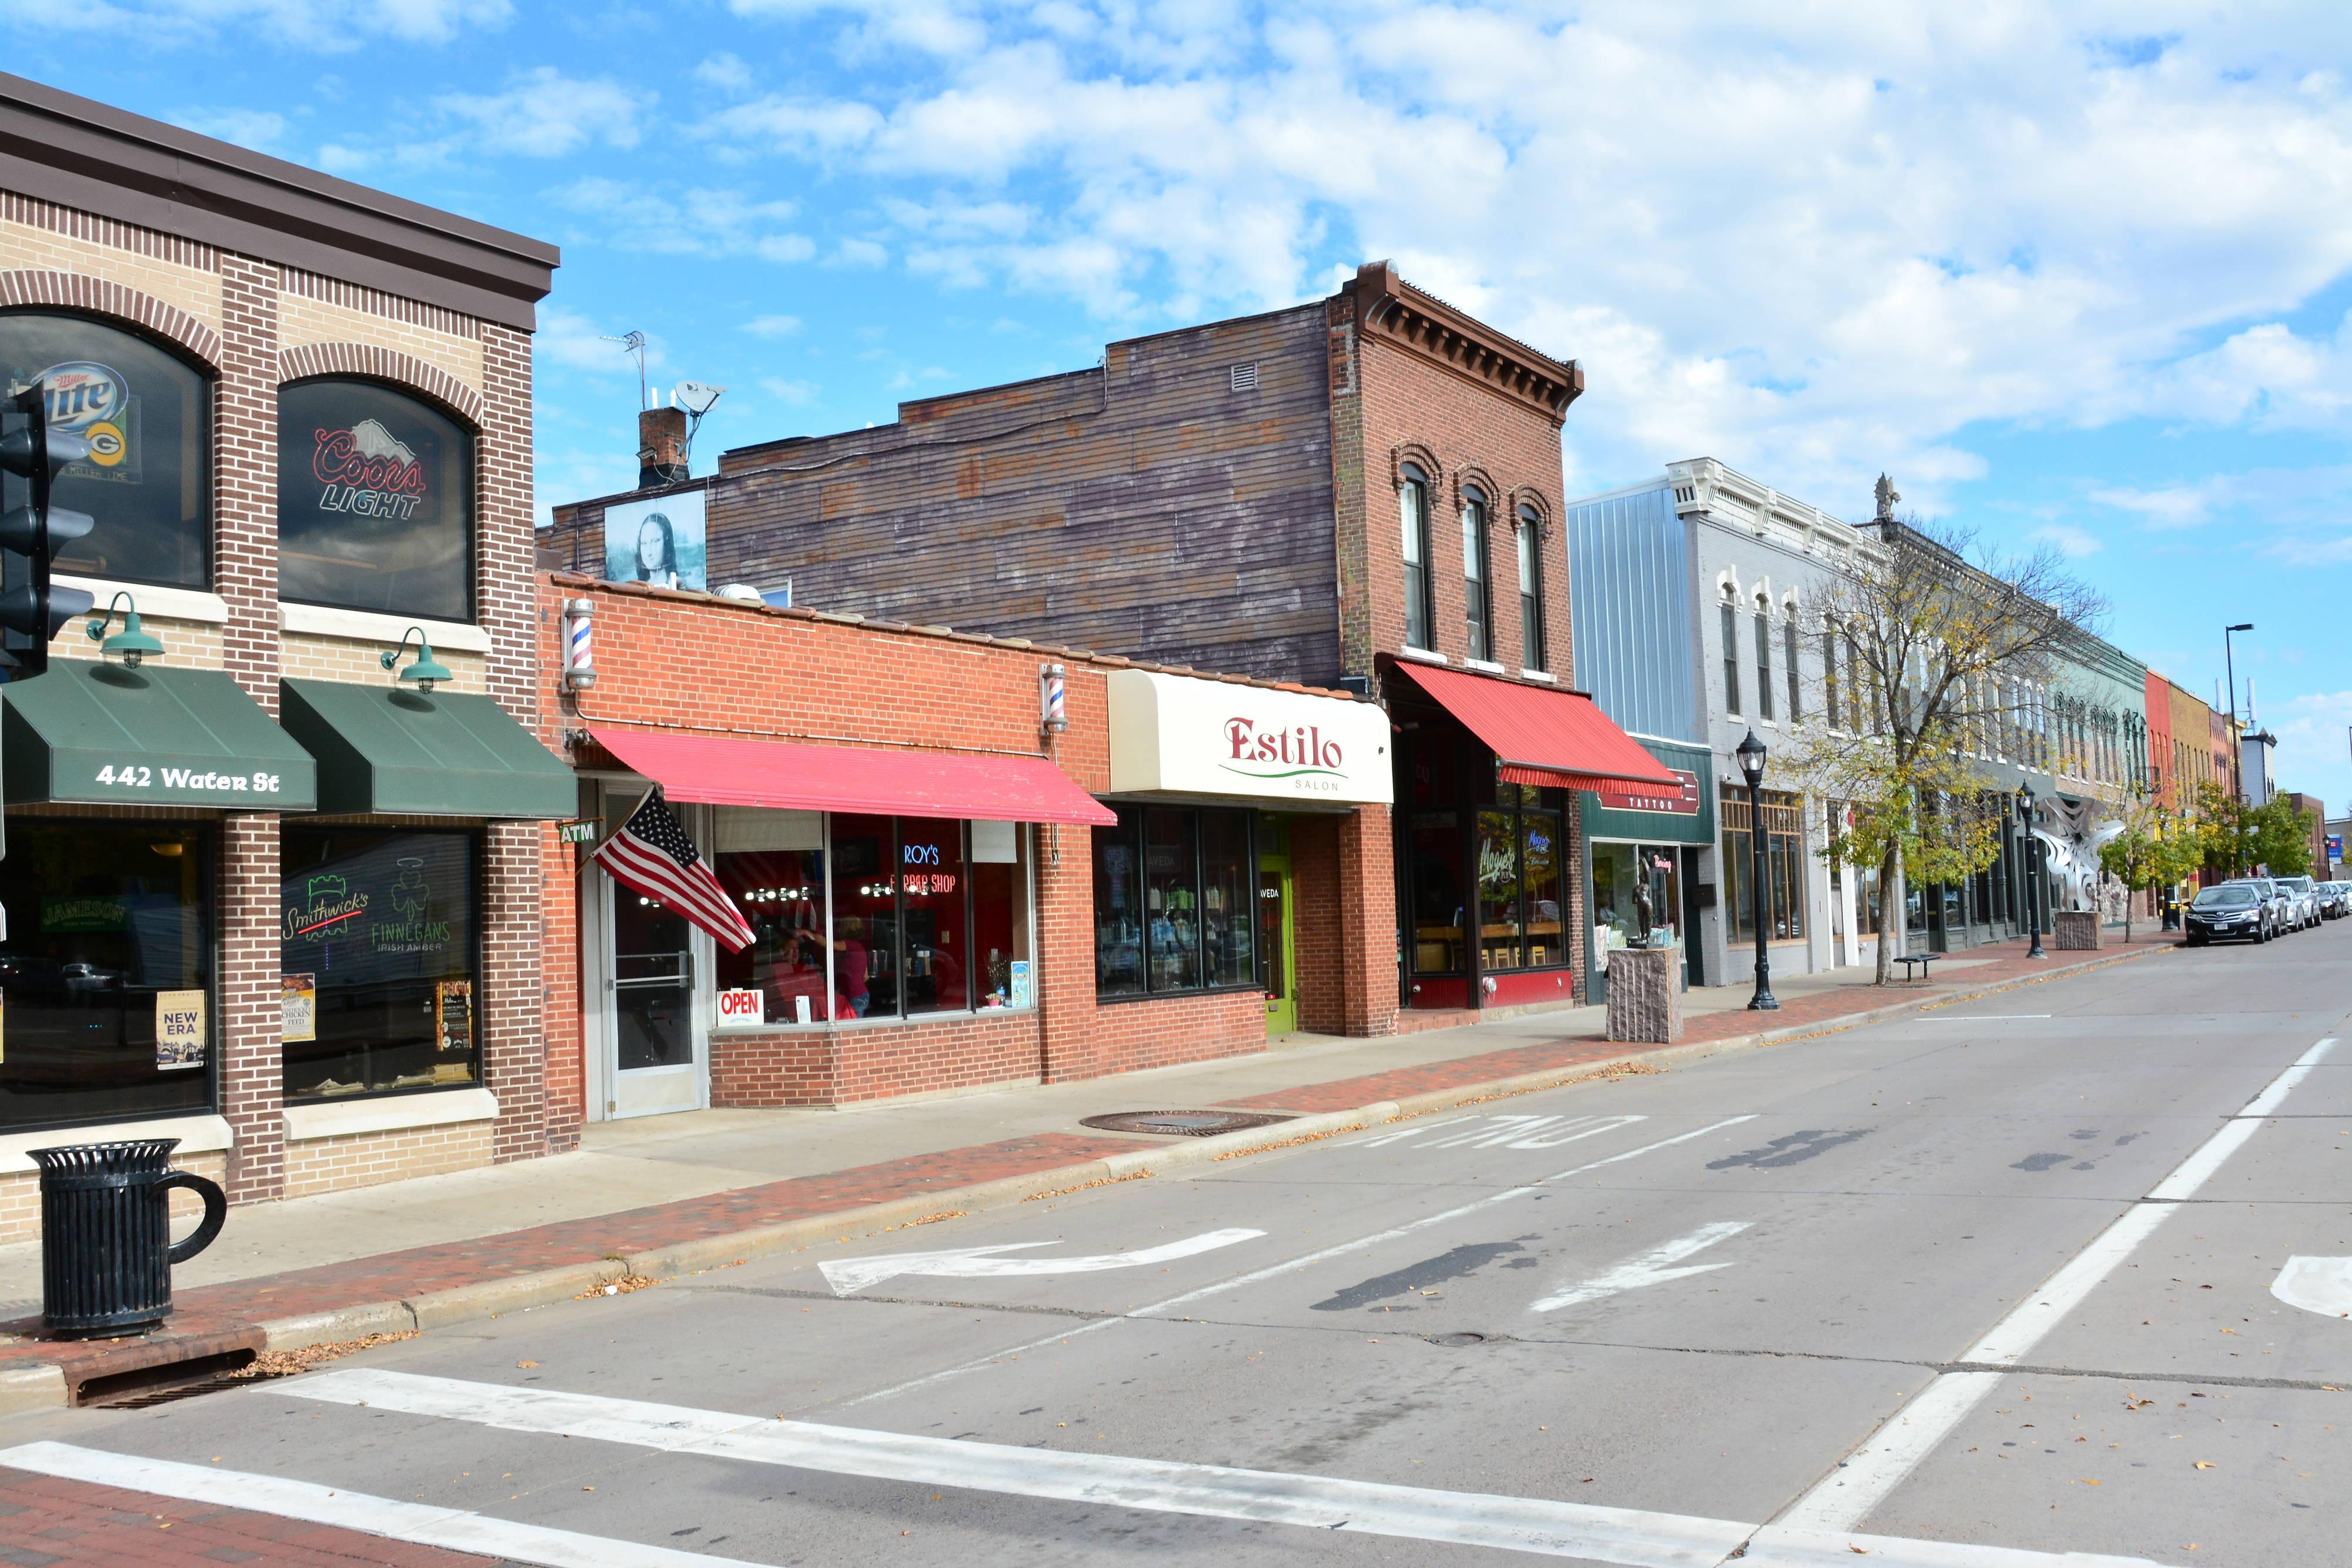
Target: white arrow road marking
[1592, 1531]
[1649, 1268]
[426, 1524]
[2321, 1285]
[850, 1275]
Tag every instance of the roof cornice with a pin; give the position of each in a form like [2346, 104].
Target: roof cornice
[1390, 308]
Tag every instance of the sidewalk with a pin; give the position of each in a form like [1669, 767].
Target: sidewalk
[663, 1195]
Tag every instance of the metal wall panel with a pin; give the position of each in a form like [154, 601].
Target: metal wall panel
[1629, 594]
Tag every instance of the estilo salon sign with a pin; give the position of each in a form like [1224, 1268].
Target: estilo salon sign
[1177, 735]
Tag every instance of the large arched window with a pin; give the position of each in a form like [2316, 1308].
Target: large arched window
[1412, 503]
[1478, 574]
[145, 411]
[376, 501]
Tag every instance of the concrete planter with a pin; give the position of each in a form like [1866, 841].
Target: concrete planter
[1645, 1003]
[2079, 930]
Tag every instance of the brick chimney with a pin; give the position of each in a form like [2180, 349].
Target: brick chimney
[661, 447]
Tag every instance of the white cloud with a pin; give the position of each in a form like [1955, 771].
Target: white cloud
[2315, 746]
[259, 129]
[725, 71]
[772, 326]
[792, 394]
[2067, 540]
[576, 342]
[699, 222]
[2173, 507]
[324, 25]
[542, 113]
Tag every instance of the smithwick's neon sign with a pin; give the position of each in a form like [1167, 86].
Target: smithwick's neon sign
[367, 470]
[1301, 753]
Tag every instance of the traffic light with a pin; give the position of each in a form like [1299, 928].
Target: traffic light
[31, 612]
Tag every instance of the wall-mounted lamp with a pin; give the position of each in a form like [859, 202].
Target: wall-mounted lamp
[131, 645]
[425, 670]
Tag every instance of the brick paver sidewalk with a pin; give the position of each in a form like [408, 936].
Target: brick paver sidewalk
[219, 1317]
[46, 1520]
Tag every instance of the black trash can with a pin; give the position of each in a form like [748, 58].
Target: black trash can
[106, 1235]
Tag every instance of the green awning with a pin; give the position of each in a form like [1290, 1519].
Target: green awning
[105, 735]
[380, 748]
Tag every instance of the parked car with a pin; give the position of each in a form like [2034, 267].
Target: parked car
[2275, 898]
[2304, 894]
[2334, 900]
[2231, 911]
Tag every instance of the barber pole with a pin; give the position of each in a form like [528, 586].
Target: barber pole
[1053, 699]
[578, 659]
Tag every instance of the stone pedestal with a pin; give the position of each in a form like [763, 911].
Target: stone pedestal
[1645, 1004]
[2079, 930]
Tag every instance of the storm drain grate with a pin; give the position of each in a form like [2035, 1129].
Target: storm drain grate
[1462, 1338]
[1181, 1124]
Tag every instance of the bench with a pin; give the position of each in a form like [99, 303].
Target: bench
[1919, 959]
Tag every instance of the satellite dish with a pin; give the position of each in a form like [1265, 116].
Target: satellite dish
[696, 397]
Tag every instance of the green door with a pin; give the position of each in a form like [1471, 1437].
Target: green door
[1278, 945]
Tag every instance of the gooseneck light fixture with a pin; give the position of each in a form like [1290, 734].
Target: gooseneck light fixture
[425, 671]
[1750, 753]
[133, 643]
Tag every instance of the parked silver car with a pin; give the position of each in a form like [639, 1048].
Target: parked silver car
[2302, 894]
[2334, 900]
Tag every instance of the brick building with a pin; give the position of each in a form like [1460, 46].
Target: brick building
[263, 893]
[924, 859]
[1360, 491]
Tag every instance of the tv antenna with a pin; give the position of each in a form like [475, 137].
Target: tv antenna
[633, 342]
[696, 397]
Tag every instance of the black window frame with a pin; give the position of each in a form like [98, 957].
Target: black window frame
[1478, 576]
[1788, 652]
[1531, 594]
[1420, 602]
[1730, 637]
[472, 436]
[1130, 830]
[1764, 663]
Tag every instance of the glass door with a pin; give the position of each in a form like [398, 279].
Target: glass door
[655, 1040]
[1277, 946]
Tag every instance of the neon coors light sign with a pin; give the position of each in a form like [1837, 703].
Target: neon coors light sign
[368, 471]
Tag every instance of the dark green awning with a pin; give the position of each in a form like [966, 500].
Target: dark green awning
[103, 734]
[380, 748]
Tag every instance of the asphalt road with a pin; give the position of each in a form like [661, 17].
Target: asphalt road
[2007, 1278]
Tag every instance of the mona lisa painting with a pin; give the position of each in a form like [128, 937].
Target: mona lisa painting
[657, 541]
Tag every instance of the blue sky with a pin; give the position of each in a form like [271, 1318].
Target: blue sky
[2077, 275]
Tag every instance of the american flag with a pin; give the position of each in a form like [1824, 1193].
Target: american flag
[652, 854]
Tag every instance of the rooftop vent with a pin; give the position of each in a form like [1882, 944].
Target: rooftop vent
[1244, 377]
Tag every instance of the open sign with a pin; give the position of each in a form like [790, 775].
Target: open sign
[743, 1007]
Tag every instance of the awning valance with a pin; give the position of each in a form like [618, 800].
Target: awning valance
[443, 754]
[1540, 737]
[106, 735]
[730, 770]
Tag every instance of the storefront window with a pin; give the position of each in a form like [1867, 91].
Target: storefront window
[935, 889]
[1437, 924]
[1498, 891]
[146, 415]
[864, 917]
[1173, 902]
[773, 864]
[1619, 871]
[1784, 867]
[378, 961]
[999, 915]
[1518, 881]
[376, 501]
[106, 972]
[1540, 849]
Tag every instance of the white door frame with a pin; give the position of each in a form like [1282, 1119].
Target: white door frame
[600, 1019]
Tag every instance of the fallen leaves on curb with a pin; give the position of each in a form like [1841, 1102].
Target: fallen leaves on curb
[1084, 1186]
[620, 1287]
[286, 1363]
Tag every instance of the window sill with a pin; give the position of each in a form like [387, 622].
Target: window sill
[375, 626]
[169, 603]
[199, 1133]
[1421, 655]
[1488, 665]
[1546, 677]
[1252, 989]
[736, 1030]
[388, 1113]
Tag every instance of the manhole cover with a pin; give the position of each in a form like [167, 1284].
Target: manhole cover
[1465, 1337]
[1181, 1124]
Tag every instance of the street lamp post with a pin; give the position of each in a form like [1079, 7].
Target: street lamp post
[2034, 889]
[1750, 753]
[2229, 662]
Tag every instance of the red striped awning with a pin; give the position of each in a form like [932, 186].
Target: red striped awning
[730, 770]
[1541, 736]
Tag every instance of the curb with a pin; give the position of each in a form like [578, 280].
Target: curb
[43, 1386]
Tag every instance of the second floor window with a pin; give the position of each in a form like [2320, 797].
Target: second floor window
[1412, 503]
[1829, 675]
[1730, 640]
[1763, 662]
[1788, 647]
[1477, 586]
[1531, 607]
[375, 502]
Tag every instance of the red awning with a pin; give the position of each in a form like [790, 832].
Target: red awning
[726, 770]
[1542, 737]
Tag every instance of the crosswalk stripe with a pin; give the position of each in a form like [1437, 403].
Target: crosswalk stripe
[422, 1524]
[1636, 1537]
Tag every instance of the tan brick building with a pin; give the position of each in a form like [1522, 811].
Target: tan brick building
[309, 405]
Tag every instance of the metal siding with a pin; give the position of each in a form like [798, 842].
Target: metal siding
[1629, 595]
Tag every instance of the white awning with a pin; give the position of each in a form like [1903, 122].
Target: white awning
[1175, 735]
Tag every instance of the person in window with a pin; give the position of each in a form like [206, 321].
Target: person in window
[657, 551]
[850, 965]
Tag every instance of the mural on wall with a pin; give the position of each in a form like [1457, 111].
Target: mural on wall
[658, 541]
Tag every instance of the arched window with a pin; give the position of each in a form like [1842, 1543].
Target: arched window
[1763, 657]
[1531, 605]
[1478, 588]
[376, 501]
[145, 411]
[1412, 503]
[1730, 637]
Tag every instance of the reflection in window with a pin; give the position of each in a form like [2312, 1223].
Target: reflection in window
[1540, 847]
[1118, 908]
[771, 863]
[1174, 901]
[999, 915]
[146, 415]
[1228, 871]
[864, 917]
[378, 954]
[1498, 891]
[1519, 880]
[1171, 899]
[939, 941]
[110, 930]
[1784, 866]
[1437, 924]
[376, 501]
